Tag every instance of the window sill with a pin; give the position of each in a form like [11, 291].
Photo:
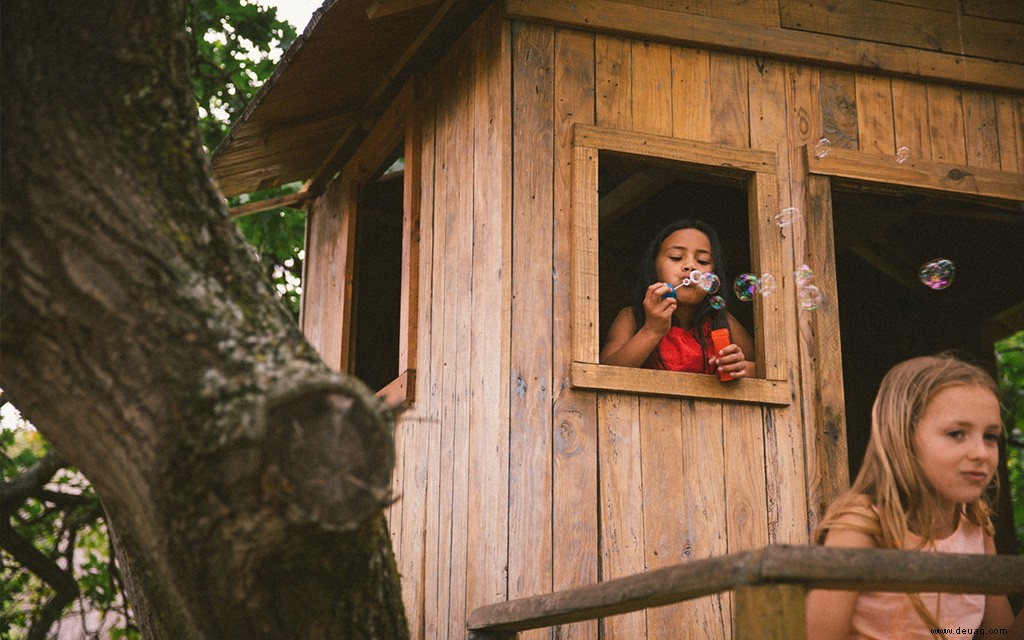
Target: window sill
[400, 392]
[585, 375]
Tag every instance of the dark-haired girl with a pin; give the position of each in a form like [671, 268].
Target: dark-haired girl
[659, 331]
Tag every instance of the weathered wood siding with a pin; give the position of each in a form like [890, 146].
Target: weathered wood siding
[451, 523]
[510, 482]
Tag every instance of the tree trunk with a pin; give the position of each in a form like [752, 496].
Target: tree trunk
[245, 479]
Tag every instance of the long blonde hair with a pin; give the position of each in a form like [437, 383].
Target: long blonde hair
[891, 496]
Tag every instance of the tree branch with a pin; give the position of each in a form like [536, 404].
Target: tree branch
[62, 582]
[32, 480]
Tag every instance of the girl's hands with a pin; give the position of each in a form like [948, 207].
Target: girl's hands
[658, 310]
[730, 360]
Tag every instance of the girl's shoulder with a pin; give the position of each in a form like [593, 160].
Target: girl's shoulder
[852, 518]
[624, 320]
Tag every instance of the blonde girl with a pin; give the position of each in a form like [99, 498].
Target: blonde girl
[935, 429]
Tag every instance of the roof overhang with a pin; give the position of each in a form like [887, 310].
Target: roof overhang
[331, 86]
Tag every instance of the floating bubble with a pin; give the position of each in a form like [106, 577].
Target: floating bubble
[803, 275]
[937, 274]
[902, 155]
[696, 276]
[766, 285]
[787, 217]
[822, 148]
[710, 283]
[716, 302]
[745, 286]
[810, 297]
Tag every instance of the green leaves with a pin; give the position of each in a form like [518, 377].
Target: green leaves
[278, 236]
[235, 45]
[1010, 362]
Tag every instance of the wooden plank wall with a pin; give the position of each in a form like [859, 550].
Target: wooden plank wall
[451, 521]
[512, 483]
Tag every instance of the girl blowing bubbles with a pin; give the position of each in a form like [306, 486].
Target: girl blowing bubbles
[935, 429]
[674, 333]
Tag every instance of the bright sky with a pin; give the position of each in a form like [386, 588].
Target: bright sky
[297, 12]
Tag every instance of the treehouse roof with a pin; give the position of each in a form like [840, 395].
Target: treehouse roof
[330, 86]
[345, 68]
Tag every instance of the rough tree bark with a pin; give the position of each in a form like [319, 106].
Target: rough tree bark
[245, 479]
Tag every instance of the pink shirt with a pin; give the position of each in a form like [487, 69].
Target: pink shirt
[890, 616]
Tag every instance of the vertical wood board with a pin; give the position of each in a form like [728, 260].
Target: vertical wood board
[574, 456]
[729, 101]
[619, 473]
[981, 129]
[530, 544]
[910, 110]
[839, 108]
[786, 494]
[946, 124]
[324, 283]
[621, 509]
[804, 122]
[875, 114]
[1010, 125]
[691, 94]
[417, 486]
[487, 517]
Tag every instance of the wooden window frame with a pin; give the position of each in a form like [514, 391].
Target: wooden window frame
[758, 169]
[400, 122]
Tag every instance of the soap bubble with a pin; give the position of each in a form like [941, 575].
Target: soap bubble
[766, 285]
[902, 155]
[937, 274]
[803, 275]
[696, 276]
[745, 286]
[787, 217]
[822, 148]
[710, 283]
[716, 302]
[810, 297]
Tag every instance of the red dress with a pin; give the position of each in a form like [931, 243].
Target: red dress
[680, 351]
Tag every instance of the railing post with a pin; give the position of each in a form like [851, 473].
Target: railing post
[769, 612]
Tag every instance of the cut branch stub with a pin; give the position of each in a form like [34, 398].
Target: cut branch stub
[327, 458]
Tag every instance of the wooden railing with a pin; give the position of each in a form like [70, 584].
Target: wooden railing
[770, 585]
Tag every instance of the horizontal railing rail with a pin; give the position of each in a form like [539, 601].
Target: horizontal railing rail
[770, 585]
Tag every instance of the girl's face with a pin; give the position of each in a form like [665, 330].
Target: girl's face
[957, 442]
[682, 252]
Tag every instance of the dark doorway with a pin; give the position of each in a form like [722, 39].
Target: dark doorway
[886, 314]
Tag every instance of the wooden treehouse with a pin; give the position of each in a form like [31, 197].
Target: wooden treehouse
[479, 178]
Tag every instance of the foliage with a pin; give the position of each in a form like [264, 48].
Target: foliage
[1010, 360]
[234, 48]
[235, 45]
[278, 235]
[63, 520]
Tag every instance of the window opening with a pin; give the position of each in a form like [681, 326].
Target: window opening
[637, 197]
[377, 275]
